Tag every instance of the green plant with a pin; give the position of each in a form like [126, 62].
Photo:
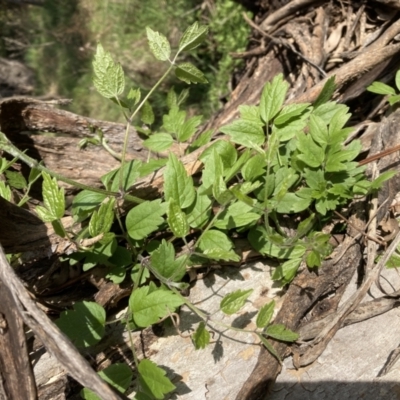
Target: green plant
[382, 88]
[291, 161]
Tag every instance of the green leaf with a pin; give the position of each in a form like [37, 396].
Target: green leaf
[231, 172]
[280, 332]
[234, 301]
[144, 274]
[144, 219]
[188, 73]
[290, 111]
[163, 261]
[272, 98]
[133, 97]
[311, 154]
[254, 168]
[202, 140]
[130, 174]
[290, 130]
[84, 325]
[220, 254]
[269, 347]
[319, 131]
[225, 150]
[291, 203]
[85, 202]
[117, 375]
[235, 216]
[172, 98]
[151, 166]
[313, 259]
[213, 239]
[397, 79]
[109, 78]
[287, 271]
[201, 337]
[394, 99]
[188, 128]
[177, 184]
[149, 308]
[265, 314]
[380, 88]
[153, 381]
[199, 213]
[326, 92]
[159, 142]
[394, 261]
[245, 133]
[102, 219]
[377, 183]
[251, 113]
[53, 197]
[158, 44]
[193, 37]
[173, 121]
[177, 220]
[220, 192]
[5, 192]
[213, 169]
[16, 180]
[147, 114]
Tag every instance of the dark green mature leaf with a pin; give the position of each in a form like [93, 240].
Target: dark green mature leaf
[85, 202]
[273, 97]
[199, 213]
[269, 347]
[221, 193]
[326, 92]
[202, 140]
[193, 37]
[101, 220]
[16, 179]
[84, 325]
[280, 332]
[220, 254]
[265, 314]
[163, 261]
[213, 169]
[201, 336]
[118, 375]
[311, 154]
[178, 185]
[149, 307]
[109, 78]
[291, 203]
[158, 44]
[234, 301]
[153, 381]
[225, 150]
[144, 219]
[151, 166]
[188, 73]
[254, 167]
[159, 142]
[177, 220]
[130, 174]
[235, 216]
[245, 133]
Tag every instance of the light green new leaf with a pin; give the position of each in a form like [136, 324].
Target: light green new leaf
[221, 193]
[319, 131]
[377, 183]
[159, 142]
[290, 111]
[193, 37]
[188, 73]
[147, 114]
[380, 88]
[213, 169]
[109, 78]
[117, 375]
[272, 98]
[235, 216]
[265, 314]
[133, 97]
[158, 44]
[177, 220]
[280, 332]
[250, 113]
[397, 79]
[291, 203]
[5, 192]
[202, 140]
[254, 167]
[394, 99]
[174, 120]
[234, 301]
[326, 92]
[224, 149]
[53, 197]
[177, 184]
[287, 271]
[144, 219]
[151, 166]
[149, 308]
[311, 154]
[220, 254]
[245, 133]
[153, 381]
[201, 336]
[84, 325]
[101, 220]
